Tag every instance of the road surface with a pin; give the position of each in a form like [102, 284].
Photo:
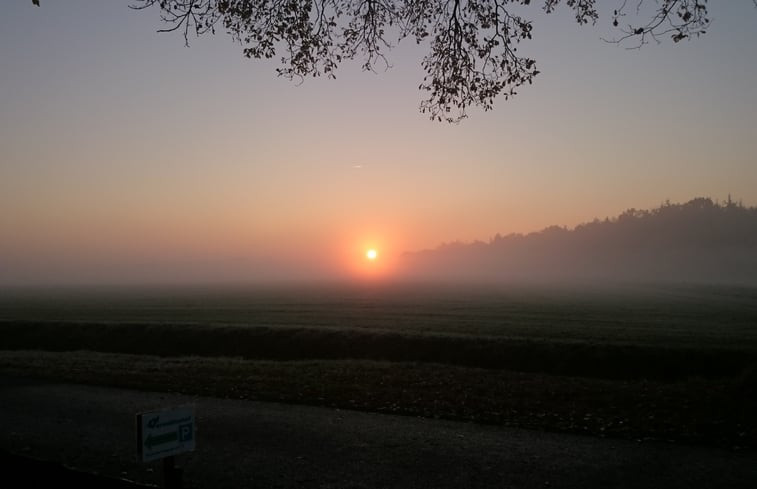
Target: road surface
[268, 445]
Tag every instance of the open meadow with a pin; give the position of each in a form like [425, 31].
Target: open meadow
[673, 363]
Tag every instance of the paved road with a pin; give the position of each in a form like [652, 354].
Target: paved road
[268, 445]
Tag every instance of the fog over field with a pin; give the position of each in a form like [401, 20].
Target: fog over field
[701, 241]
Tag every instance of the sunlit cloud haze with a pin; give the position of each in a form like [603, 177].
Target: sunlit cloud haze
[127, 157]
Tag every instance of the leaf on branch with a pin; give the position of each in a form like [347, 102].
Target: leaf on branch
[473, 53]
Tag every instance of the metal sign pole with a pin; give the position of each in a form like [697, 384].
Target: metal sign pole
[172, 475]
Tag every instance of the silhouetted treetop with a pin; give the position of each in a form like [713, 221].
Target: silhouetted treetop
[473, 44]
[701, 219]
[700, 240]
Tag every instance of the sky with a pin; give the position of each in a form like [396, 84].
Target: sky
[127, 157]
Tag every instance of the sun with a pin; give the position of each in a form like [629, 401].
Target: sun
[371, 254]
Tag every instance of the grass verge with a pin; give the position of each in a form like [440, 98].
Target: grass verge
[616, 360]
[698, 410]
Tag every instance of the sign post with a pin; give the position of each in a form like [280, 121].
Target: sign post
[164, 434]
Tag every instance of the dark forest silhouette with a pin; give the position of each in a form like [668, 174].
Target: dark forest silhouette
[701, 241]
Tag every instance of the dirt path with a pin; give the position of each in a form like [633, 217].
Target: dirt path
[267, 445]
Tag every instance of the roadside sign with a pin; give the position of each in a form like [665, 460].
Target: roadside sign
[165, 433]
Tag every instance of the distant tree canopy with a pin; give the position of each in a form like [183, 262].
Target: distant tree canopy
[699, 241]
[473, 55]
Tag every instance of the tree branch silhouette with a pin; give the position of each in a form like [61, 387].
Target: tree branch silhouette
[473, 53]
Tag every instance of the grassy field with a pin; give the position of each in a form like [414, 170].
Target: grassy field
[668, 363]
[716, 316]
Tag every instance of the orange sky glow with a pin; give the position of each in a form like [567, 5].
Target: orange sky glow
[127, 157]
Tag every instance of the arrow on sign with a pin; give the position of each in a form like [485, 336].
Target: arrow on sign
[152, 441]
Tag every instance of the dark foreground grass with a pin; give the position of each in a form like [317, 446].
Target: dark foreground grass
[697, 410]
[23, 472]
[566, 357]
